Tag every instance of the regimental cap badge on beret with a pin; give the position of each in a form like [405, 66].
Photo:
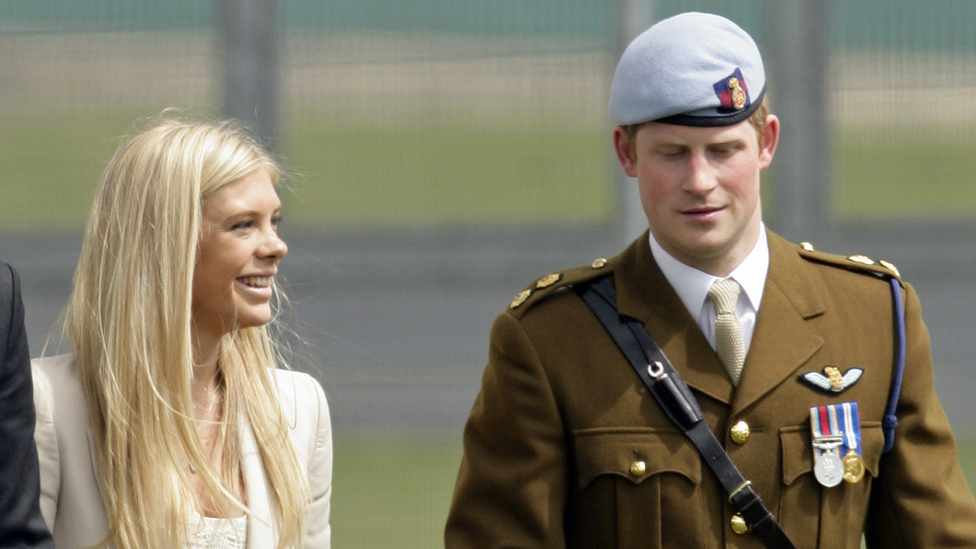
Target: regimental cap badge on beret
[693, 69]
[732, 92]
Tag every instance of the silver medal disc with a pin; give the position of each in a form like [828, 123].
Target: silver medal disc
[829, 469]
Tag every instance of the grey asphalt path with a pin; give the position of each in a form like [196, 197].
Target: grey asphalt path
[396, 327]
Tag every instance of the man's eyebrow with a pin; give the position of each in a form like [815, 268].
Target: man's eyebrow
[665, 142]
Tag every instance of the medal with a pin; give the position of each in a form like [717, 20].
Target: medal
[836, 431]
[853, 467]
[851, 428]
[829, 469]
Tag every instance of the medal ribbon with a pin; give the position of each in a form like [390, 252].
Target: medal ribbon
[835, 421]
[815, 429]
[826, 433]
[850, 421]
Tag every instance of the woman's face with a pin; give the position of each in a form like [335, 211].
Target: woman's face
[238, 256]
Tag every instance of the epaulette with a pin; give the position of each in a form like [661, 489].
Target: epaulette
[551, 283]
[852, 262]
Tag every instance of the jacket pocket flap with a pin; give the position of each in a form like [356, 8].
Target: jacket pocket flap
[798, 450]
[634, 454]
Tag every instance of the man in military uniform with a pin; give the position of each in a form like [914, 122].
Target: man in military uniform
[565, 447]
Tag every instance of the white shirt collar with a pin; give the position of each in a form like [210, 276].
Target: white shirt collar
[692, 284]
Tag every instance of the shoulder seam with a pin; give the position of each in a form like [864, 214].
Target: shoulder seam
[554, 282]
[855, 263]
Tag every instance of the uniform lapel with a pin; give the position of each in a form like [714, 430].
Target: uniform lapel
[782, 341]
[645, 294]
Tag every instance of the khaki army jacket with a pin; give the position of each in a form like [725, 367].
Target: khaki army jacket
[565, 448]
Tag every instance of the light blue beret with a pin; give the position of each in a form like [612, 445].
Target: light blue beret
[693, 69]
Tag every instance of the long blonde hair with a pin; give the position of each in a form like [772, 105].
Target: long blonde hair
[129, 324]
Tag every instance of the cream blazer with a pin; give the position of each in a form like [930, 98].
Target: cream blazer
[70, 499]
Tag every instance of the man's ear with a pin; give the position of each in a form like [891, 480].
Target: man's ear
[770, 138]
[625, 151]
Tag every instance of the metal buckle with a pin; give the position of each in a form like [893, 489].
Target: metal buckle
[735, 492]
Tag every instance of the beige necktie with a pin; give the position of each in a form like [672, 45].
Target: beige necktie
[728, 331]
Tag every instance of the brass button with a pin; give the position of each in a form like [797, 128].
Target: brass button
[739, 524]
[520, 298]
[806, 246]
[862, 259]
[599, 263]
[548, 280]
[740, 432]
[638, 468]
[890, 266]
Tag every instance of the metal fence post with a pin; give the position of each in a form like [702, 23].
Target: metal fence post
[634, 17]
[797, 49]
[250, 41]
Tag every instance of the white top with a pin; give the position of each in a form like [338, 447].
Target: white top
[216, 533]
[71, 501]
[692, 286]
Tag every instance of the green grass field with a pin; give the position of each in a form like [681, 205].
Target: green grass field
[393, 490]
[444, 173]
[913, 173]
[341, 174]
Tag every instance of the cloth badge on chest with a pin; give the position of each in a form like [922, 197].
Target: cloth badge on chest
[837, 456]
[832, 381]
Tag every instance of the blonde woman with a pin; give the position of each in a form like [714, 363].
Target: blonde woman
[170, 423]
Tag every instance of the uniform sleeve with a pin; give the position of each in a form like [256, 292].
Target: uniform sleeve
[920, 498]
[511, 487]
[319, 531]
[21, 523]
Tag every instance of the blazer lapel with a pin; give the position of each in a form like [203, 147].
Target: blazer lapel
[260, 524]
[645, 294]
[782, 341]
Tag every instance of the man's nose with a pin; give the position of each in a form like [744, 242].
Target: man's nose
[701, 174]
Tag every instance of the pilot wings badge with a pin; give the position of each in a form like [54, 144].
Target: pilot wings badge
[831, 380]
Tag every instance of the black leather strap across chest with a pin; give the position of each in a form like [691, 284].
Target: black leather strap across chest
[677, 401]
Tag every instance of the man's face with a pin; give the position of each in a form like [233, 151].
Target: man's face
[699, 187]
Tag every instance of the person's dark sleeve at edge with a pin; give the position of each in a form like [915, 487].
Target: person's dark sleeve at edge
[21, 523]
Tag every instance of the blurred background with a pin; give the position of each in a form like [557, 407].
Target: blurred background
[444, 153]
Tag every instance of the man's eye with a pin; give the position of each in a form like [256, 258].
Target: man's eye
[725, 150]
